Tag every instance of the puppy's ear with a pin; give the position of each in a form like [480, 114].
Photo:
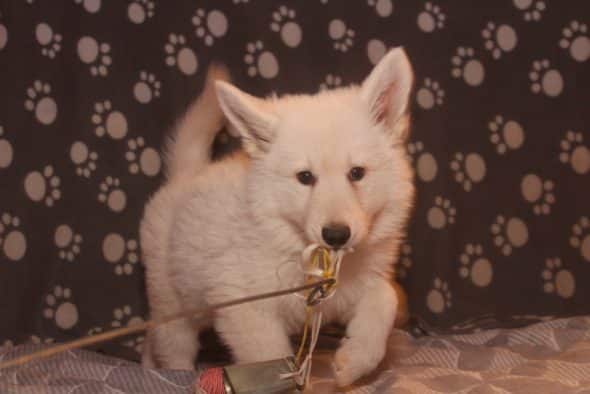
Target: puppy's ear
[249, 116]
[387, 89]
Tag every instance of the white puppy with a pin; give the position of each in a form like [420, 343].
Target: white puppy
[329, 169]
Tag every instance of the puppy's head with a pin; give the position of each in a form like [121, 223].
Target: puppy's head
[332, 165]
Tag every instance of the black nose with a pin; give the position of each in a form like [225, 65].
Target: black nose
[336, 234]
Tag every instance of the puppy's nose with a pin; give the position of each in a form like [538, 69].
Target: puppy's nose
[336, 235]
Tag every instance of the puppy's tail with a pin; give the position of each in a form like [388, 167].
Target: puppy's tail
[188, 150]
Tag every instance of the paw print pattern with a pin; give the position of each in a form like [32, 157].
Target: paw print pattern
[532, 9]
[83, 159]
[431, 19]
[112, 195]
[545, 79]
[140, 10]
[6, 151]
[124, 255]
[43, 186]
[3, 35]
[146, 88]
[405, 261]
[424, 162]
[60, 309]
[122, 317]
[580, 238]
[558, 280]
[41, 103]
[142, 158]
[342, 36]
[575, 153]
[505, 134]
[135, 343]
[509, 234]
[575, 38]
[96, 56]
[13, 242]
[284, 23]
[468, 169]
[330, 82]
[260, 62]
[439, 298]
[430, 94]
[475, 267]
[466, 66]
[538, 192]
[499, 39]
[209, 25]
[441, 214]
[50, 42]
[36, 340]
[179, 55]
[375, 50]
[383, 8]
[91, 6]
[109, 121]
[67, 242]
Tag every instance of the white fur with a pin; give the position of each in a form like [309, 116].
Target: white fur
[220, 230]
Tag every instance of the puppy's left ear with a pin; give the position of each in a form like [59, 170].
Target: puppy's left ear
[387, 89]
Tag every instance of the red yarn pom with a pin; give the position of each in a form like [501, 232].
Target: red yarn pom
[211, 381]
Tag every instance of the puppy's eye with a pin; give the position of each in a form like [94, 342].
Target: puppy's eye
[356, 174]
[306, 177]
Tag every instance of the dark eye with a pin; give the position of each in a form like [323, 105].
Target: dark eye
[356, 174]
[306, 177]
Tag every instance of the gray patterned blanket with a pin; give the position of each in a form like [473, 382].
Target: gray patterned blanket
[548, 357]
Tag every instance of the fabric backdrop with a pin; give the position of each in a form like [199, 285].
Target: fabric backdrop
[88, 88]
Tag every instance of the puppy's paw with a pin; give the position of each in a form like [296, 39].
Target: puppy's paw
[351, 362]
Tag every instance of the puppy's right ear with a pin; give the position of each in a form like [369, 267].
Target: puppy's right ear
[249, 116]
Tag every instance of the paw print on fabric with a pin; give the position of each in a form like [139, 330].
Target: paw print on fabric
[60, 309]
[50, 42]
[13, 242]
[499, 39]
[37, 340]
[96, 56]
[431, 19]
[109, 121]
[94, 331]
[539, 193]
[123, 317]
[575, 153]
[404, 262]
[375, 50]
[342, 36]
[123, 254]
[430, 94]
[41, 103]
[383, 8]
[83, 159]
[439, 298]
[545, 79]
[442, 214]
[532, 9]
[142, 158]
[558, 280]
[67, 242]
[3, 35]
[146, 88]
[505, 134]
[140, 10]
[424, 162]
[509, 234]
[284, 23]
[135, 343]
[475, 266]
[179, 55]
[260, 62]
[575, 38]
[91, 6]
[580, 238]
[112, 195]
[466, 66]
[468, 169]
[330, 82]
[209, 25]
[6, 151]
[43, 186]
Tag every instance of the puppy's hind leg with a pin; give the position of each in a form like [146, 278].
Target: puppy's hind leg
[175, 345]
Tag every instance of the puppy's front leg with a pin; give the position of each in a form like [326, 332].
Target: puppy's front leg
[366, 335]
[253, 333]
